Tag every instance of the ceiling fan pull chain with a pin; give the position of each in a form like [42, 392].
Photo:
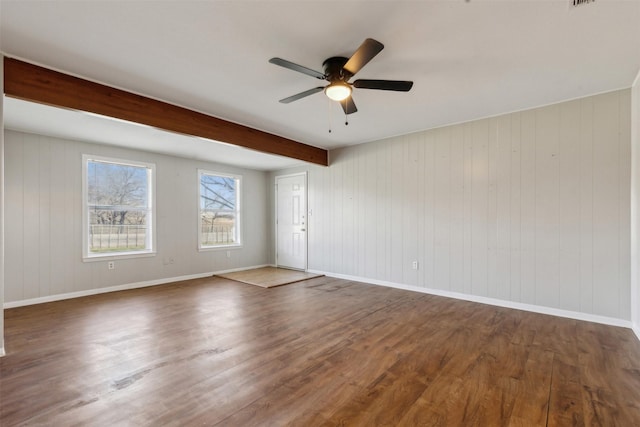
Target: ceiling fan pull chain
[329, 113]
[346, 120]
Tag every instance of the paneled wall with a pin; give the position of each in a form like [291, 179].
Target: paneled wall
[44, 220]
[635, 206]
[530, 207]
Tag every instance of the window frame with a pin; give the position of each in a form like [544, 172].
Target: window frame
[238, 212]
[150, 251]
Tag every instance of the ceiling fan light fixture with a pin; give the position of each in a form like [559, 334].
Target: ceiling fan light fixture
[338, 70]
[338, 91]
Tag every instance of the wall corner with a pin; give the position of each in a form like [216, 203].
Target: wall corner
[635, 205]
[2, 352]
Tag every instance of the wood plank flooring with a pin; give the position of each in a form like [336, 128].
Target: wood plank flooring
[320, 352]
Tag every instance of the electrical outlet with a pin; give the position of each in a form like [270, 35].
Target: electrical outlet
[228, 254]
[111, 265]
[414, 265]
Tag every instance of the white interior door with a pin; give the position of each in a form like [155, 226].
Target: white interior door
[291, 221]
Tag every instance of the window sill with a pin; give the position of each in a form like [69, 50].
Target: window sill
[219, 248]
[112, 257]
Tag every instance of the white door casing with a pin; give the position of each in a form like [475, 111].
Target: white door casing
[291, 221]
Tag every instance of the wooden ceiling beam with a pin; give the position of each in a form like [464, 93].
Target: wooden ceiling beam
[34, 83]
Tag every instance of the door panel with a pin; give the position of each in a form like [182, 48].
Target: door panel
[291, 221]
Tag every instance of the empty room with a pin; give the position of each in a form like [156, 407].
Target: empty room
[306, 213]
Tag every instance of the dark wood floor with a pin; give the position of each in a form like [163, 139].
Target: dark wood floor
[319, 352]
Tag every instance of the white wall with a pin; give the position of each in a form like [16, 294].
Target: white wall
[635, 205]
[531, 207]
[44, 211]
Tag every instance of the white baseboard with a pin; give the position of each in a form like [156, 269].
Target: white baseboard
[2, 353]
[612, 321]
[136, 285]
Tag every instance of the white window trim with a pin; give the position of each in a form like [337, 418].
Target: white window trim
[88, 257]
[239, 204]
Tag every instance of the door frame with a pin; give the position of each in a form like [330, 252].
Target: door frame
[306, 210]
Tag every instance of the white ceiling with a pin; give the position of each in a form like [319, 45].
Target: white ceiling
[467, 59]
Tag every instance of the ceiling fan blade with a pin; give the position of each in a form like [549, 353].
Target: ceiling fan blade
[301, 95]
[396, 85]
[348, 106]
[295, 67]
[365, 53]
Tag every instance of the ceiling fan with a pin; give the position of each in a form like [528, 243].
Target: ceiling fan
[338, 70]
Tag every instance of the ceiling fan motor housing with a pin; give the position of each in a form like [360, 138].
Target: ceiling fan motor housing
[333, 69]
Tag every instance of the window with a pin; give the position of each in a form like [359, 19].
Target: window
[219, 210]
[119, 212]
